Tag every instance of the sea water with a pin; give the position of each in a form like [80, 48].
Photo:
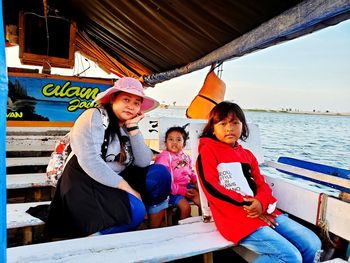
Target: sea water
[323, 139]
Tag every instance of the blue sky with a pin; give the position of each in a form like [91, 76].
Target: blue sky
[311, 72]
[308, 73]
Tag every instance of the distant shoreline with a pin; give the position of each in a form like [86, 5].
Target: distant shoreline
[329, 113]
[303, 112]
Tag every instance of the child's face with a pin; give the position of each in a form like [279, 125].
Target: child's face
[126, 106]
[228, 130]
[174, 142]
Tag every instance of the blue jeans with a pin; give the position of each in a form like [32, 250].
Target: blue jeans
[175, 199]
[288, 242]
[158, 187]
[138, 212]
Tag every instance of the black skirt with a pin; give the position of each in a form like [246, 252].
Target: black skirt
[82, 206]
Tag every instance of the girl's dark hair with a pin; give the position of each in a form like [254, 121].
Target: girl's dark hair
[222, 111]
[114, 129]
[177, 129]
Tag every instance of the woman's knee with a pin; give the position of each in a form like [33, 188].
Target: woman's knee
[138, 210]
[158, 183]
[138, 213]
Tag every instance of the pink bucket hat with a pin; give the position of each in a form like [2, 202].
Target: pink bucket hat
[129, 85]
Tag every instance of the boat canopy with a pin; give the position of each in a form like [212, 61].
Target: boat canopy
[159, 40]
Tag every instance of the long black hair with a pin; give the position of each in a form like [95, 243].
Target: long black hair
[113, 129]
[222, 111]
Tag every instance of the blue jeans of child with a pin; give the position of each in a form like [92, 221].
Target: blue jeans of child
[158, 185]
[288, 242]
[175, 199]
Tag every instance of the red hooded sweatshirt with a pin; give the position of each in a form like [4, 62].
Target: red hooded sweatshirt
[228, 174]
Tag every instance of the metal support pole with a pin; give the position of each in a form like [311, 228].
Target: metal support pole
[3, 110]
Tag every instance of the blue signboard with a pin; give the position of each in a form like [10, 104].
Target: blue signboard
[60, 99]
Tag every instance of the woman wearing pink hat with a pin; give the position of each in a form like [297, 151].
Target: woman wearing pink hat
[108, 189]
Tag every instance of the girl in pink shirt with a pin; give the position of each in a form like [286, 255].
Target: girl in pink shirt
[184, 181]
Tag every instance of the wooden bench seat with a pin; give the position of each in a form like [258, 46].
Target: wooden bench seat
[17, 216]
[17, 181]
[26, 131]
[153, 245]
[30, 143]
[26, 140]
[190, 238]
[28, 188]
[27, 161]
[20, 221]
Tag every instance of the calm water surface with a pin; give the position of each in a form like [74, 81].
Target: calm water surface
[320, 138]
[317, 138]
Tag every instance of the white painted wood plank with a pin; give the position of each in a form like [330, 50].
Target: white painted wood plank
[338, 217]
[30, 161]
[149, 126]
[253, 142]
[15, 181]
[36, 130]
[295, 200]
[153, 245]
[306, 184]
[311, 174]
[195, 132]
[190, 220]
[17, 216]
[336, 260]
[31, 143]
[166, 122]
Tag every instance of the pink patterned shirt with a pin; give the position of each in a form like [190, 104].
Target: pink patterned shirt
[180, 167]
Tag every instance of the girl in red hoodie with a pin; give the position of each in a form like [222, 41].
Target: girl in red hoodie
[241, 202]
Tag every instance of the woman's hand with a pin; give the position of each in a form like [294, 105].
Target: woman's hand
[135, 120]
[123, 185]
[132, 124]
[254, 209]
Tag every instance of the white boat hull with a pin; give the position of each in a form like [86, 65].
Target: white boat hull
[313, 206]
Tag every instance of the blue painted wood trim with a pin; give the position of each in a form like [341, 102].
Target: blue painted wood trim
[320, 168]
[3, 108]
[317, 167]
